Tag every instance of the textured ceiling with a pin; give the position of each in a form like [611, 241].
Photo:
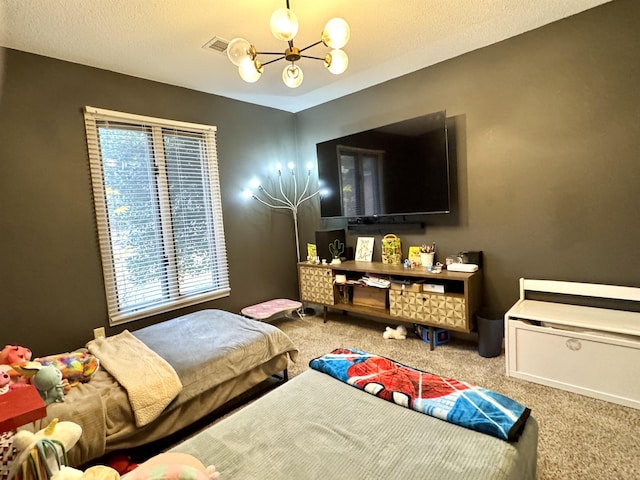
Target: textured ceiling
[163, 40]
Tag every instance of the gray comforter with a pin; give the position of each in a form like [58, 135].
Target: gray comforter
[210, 350]
[315, 427]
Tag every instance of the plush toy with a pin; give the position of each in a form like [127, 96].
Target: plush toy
[76, 367]
[49, 445]
[173, 466]
[5, 381]
[97, 472]
[399, 333]
[14, 354]
[11, 356]
[121, 463]
[48, 381]
[164, 466]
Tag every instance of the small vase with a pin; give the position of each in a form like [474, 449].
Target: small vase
[426, 259]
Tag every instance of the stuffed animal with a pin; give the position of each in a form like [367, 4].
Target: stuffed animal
[14, 354]
[76, 367]
[173, 466]
[64, 435]
[5, 381]
[48, 381]
[11, 356]
[164, 466]
[399, 333]
[97, 472]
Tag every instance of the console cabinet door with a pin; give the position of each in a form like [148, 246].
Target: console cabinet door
[316, 284]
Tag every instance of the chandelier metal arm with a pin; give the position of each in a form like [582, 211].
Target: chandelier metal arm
[310, 46]
[308, 56]
[274, 60]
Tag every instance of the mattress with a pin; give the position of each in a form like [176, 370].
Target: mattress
[315, 427]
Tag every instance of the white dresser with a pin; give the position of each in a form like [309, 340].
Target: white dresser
[589, 350]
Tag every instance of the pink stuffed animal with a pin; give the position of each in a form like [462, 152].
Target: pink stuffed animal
[12, 355]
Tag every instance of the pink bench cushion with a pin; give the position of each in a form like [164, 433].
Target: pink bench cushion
[268, 309]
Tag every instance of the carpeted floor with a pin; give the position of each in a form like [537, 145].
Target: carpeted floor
[580, 437]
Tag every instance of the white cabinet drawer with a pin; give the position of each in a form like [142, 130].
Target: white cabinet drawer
[594, 364]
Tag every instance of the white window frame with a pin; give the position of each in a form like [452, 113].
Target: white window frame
[220, 287]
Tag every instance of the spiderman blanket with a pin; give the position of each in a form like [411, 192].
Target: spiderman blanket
[456, 402]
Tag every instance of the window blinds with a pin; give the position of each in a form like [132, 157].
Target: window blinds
[158, 211]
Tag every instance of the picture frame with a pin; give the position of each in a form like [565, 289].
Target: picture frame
[364, 249]
[312, 251]
[414, 255]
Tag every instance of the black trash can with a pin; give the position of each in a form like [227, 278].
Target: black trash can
[490, 334]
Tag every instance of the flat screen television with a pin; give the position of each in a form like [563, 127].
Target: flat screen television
[394, 170]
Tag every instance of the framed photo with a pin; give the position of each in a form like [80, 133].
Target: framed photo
[364, 249]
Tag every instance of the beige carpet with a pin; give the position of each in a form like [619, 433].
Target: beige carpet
[580, 437]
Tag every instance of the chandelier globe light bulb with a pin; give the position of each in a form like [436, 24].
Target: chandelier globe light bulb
[284, 24]
[251, 71]
[336, 61]
[336, 33]
[238, 51]
[292, 76]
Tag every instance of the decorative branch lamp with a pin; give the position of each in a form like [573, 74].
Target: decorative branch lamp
[284, 26]
[286, 197]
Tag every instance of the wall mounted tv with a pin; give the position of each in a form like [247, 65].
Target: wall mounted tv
[394, 170]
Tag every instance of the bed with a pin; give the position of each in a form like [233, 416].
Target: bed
[317, 427]
[215, 355]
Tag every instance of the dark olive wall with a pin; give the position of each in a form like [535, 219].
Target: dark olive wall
[51, 287]
[548, 150]
[547, 129]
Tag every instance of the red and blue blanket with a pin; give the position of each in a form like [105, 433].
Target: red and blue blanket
[451, 400]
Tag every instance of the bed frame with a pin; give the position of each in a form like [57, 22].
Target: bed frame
[316, 427]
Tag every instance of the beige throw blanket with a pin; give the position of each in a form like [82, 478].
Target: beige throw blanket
[151, 383]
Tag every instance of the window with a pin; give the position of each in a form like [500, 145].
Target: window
[158, 210]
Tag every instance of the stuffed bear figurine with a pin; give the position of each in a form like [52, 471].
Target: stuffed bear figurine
[399, 333]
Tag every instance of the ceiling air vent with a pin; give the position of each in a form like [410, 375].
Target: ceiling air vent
[217, 44]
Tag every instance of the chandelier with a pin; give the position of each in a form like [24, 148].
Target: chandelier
[284, 26]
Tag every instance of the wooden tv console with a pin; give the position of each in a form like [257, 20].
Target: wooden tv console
[407, 299]
[589, 350]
